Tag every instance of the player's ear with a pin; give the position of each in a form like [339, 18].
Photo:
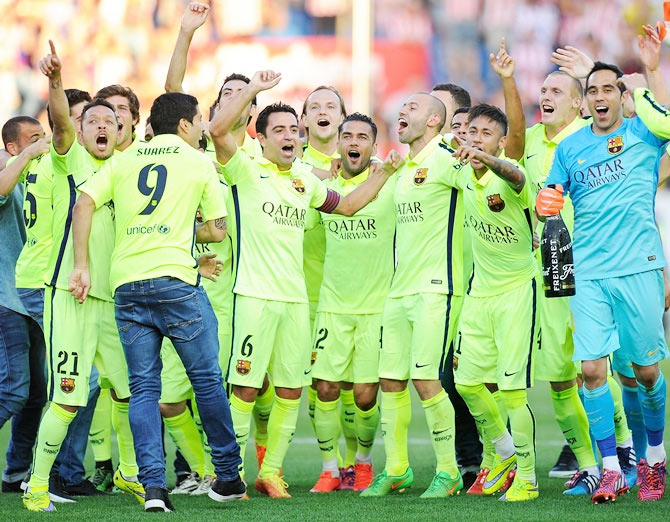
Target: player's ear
[374, 148]
[433, 120]
[261, 139]
[12, 148]
[502, 142]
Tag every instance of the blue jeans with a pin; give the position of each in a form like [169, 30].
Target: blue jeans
[23, 391]
[70, 461]
[147, 311]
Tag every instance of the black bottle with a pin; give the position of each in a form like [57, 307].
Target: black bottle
[559, 271]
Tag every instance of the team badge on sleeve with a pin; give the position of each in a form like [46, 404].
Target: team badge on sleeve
[496, 204]
[420, 176]
[615, 145]
[243, 367]
[298, 185]
[67, 385]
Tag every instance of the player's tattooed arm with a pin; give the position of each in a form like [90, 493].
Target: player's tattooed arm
[514, 177]
[10, 175]
[503, 64]
[212, 231]
[63, 130]
[194, 16]
[221, 125]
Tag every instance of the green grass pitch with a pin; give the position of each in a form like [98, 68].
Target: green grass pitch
[302, 467]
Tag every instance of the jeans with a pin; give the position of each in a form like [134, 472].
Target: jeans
[468, 446]
[23, 391]
[147, 311]
[70, 461]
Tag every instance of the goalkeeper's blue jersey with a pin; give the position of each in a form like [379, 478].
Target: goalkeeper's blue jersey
[612, 182]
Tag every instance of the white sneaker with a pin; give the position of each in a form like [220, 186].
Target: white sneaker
[203, 487]
[190, 484]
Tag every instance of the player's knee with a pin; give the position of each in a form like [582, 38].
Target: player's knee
[514, 399]
[563, 385]
[365, 398]
[466, 390]
[327, 391]
[594, 373]
[646, 375]
[173, 409]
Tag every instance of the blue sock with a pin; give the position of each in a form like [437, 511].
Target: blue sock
[599, 407]
[594, 446]
[652, 401]
[633, 408]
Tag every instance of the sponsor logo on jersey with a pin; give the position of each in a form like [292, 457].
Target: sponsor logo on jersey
[298, 186]
[615, 145]
[243, 367]
[602, 174]
[496, 204]
[67, 385]
[420, 175]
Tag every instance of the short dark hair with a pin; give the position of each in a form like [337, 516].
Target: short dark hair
[127, 92]
[169, 108]
[491, 112]
[461, 110]
[602, 66]
[95, 103]
[357, 116]
[12, 128]
[460, 95]
[230, 77]
[262, 120]
[74, 96]
[343, 109]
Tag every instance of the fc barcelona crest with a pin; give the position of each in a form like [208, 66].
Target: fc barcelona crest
[298, 186]
[496, 204]
[67, 385]
[243, 367]
[615, 145]
[420, 176]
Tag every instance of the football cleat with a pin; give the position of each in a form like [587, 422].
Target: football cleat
[478, 484]
[348, 476]
[203, 486]
[566, 465]
[499, 474]
[273, 486]
[326, 483]
[383, 484]
[612, 484]
[188, 485]
[363, 475]
[520, 491]
[132, 487]
[103, 479]
[628, 463]
[652, 486]
[583, 483]
[38, 501]
[443, 486]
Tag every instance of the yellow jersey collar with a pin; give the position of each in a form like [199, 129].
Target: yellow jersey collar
[356, 180]
[318, 155]
[425, 152]
[572, 127]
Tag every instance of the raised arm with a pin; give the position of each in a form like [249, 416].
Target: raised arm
[652, 114]
[11, 174]
[195, 15]
[572, 61]
[501, 168]
[63, 132]
[650, 51]
[227, 115]
[503, 65]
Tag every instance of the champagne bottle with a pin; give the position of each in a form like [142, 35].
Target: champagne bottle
[557, 261]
